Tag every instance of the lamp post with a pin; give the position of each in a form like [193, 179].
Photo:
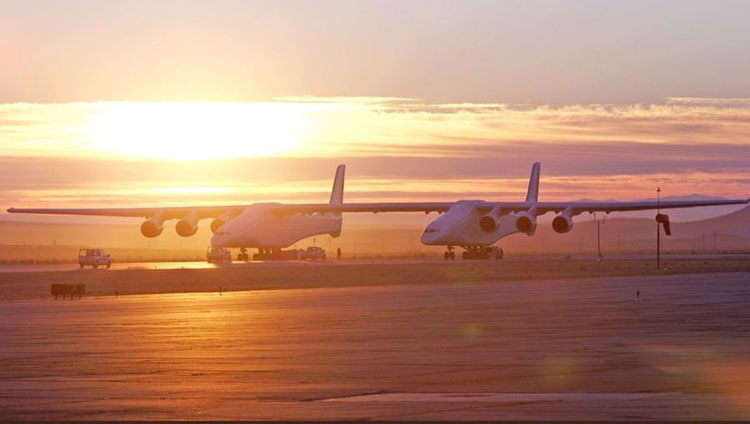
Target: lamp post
[599, 256]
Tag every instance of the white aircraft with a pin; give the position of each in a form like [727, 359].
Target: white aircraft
[471, 224]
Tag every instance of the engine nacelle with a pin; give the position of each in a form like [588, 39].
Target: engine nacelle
[216, 223]
[186, 228]
[562, 224]
[223, 219]
[152, 227]
[488, 224]
[526, 223]
[188, 225]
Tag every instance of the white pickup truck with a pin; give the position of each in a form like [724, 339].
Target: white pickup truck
[94, 258]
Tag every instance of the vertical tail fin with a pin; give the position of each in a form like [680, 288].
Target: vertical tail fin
[337, 193]
[533, 192]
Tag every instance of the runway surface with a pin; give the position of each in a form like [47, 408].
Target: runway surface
[563, 349]
[331, 262]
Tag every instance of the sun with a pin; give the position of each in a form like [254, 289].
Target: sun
[195, 131]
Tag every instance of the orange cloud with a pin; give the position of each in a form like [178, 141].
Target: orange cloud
[133, 153]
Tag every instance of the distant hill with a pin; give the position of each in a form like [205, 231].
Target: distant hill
[731, 231]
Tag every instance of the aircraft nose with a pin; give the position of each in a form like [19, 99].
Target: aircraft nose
[226, 237]
[220, 240]
[431, 235]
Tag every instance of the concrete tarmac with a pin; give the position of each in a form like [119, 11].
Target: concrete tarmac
[553, 349]
[56, 267]
[346, 273]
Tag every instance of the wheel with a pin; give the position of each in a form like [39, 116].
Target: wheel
[446, 256]
[239, 256]
[453, 256]
[465, 255]
[109, 265]
[81, 266]
[95, 266]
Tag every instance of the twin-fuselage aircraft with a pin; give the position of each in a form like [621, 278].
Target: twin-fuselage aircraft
[470, 224]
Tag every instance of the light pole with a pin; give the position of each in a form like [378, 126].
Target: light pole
[599, 256]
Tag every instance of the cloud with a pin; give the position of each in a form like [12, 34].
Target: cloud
[708, 101]
[395, 149]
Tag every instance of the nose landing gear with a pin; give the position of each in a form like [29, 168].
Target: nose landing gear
[449, 254]
[243, 255]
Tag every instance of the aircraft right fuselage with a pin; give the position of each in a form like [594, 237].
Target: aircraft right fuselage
[465, 225]
[258, 226]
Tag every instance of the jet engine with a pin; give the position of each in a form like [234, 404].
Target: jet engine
[215, 224]
[152, 227]
[526, 223]
[186, 228]
[562, 223]
[488, 224]
[223, 219]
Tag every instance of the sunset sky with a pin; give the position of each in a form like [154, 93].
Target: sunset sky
[194, 102]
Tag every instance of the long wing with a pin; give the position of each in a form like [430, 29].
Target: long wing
[579, 207]
[365, 207]
[503, 207]
[166, 212]
[426, 207]
[215, 211]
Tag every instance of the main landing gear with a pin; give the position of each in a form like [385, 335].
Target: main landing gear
[243, 255]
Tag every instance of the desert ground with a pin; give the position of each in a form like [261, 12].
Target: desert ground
[474, 348]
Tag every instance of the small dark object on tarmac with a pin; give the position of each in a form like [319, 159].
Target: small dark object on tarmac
[68, 289]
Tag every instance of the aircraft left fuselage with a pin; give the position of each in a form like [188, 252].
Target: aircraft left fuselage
[466, 225]
[258, 226]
